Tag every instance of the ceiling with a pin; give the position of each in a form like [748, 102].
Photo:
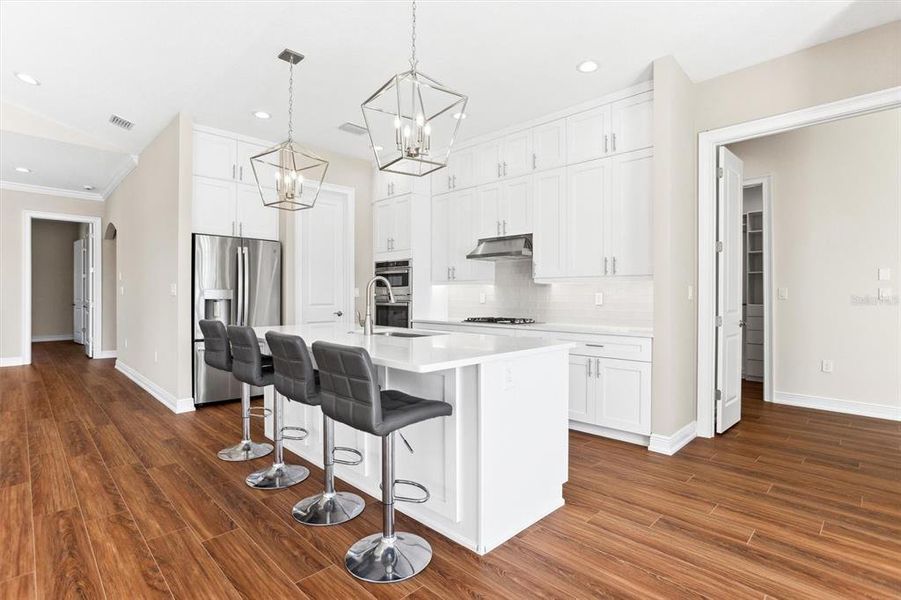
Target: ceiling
[516, 61]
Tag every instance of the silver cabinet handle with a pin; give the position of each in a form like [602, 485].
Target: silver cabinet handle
[505, 226]
[595, 345]
[241, 172]
[241, 229]
[613, 136]
[233, 171]
[597, 368]
[449, 182]
[498, 169]
[613, 262]
[498, 223]
[606, 149]
[589, 367]
[605, 265]
[448, 273]
[454, 272]
[233, 228]
[534, 161]
[505, 168]
[455, 182]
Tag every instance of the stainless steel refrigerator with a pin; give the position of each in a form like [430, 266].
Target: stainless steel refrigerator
[239, 282]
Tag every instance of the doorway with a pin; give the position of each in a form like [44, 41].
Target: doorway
[83, 266]
[711, 366]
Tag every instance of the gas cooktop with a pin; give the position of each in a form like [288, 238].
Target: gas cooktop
[501, 320]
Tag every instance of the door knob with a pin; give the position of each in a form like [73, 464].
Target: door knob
[741, 323]
[339, 313]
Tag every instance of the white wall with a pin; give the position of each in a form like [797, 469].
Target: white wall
[836, 219]
[52, 284]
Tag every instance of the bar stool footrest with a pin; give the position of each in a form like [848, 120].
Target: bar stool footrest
[258, 412]
[298, 438]
[415, 484]
[341, 461]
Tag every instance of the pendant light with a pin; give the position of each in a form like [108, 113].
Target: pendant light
[289, 176]
[412, 120]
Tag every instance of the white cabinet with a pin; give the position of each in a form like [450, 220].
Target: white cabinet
[213, 207]
[459, 173]
[623, 395]
[588, 135]
[587, 186]
[549, 145]
[489, 210]
[488, 161]
[549, 232]
[391, 226]
[391, 185]
[455, 230]
[226, 198]
[510, 156]
[632, 123]
[582, 402]
[440, 239]
[629, 245]
[505, 208]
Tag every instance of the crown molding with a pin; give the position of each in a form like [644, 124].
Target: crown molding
[50, 191]
[127, 167]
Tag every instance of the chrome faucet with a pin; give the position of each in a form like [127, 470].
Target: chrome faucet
[370, 293]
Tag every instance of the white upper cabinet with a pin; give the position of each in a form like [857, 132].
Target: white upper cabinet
[516, 154]
[440, 239]
[455, 227]
[389, 185]
[588, 135]
[549, 145]
[267, 172]
[587, 186]
[488, 162]
[215, 156]
[213, 206]
[400, 241]
[488, 205]
[382, 226]
[632, 123]
[516, 206]
[459, 173]
[253, 219]
[391, 226]
[629, 222]
[549, 215]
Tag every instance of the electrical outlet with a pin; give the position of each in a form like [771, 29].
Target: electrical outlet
[826, 366]
[691, 292]
[885, 293]
[126, 342]
[599, 299]
[782, 293]
[173, 289]
[482, 297]
[884, 274]
[356, 292]
[122, 290]
[156, 357]
[120, 275]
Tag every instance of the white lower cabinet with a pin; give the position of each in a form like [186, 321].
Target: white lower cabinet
[581, 388]
[610, 393]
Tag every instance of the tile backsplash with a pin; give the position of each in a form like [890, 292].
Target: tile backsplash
[627, 302]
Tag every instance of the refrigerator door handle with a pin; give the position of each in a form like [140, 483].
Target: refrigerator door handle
[239, 314]
[246, 284]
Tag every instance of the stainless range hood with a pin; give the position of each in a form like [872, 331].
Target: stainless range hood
[510, 247]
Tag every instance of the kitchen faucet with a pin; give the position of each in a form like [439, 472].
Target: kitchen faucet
[370, 293]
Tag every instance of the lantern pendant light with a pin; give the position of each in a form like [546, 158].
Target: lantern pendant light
[413, 120]
[289, 176]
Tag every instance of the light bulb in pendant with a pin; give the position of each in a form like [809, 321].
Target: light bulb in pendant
[419, 120]
[406, 131]
[427, 129]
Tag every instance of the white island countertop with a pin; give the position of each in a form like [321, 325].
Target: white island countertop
[433, 352]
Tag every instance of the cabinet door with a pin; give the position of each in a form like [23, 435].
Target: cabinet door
[587, 186]
[624, 395]
[516, 211]
[215, 156]
[488, 162]
[588, 135]
[582, 388]
[213, 206]
[632, 123]
[442, 180]
[517, 154]
[440, 239]
[488, 206]
[382, 185]
[245, 170]
[549, 231]
[549, 145]
[255, 220]
[629, 222]
[382, 225]
[462, 164]
[400, 235]
[401, 184]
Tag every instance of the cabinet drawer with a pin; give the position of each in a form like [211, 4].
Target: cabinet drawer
[602, 346]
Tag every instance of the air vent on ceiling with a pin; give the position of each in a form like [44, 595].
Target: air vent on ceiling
[120, 122]
[352, 128]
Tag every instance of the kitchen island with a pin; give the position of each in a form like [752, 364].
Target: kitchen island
[494, 467]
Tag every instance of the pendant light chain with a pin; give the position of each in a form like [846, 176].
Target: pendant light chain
[413, 38]
[291, 102]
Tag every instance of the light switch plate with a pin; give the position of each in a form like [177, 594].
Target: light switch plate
[356, 292]
[599, 298]
[482, 298]
[122, 290]
[884, 274]
[691, 292]
[826, 366]
[783, 293]
[173, 289]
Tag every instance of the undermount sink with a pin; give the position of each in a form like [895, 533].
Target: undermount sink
[402, 334]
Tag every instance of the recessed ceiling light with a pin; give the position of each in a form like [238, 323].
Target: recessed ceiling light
[459, 115]
[26, 78]
[23, 169]
[87, 188]
[261, 114]
[587, 66]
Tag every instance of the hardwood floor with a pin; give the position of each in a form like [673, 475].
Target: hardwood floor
[105, 493]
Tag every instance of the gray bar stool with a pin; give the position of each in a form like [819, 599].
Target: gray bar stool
[296, 380]
[217, 354]
[351, 395]
[250, 367]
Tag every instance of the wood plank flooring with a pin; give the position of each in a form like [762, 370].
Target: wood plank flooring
[104, 493]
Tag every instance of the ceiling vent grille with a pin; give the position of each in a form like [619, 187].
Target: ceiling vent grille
[120, 122]
[352, 128]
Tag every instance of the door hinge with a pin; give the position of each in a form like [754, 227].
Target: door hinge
[720, 172]
[719, 321]
[719, 246]
[718, 395]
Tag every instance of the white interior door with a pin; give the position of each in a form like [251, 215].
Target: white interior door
[729, 294]
[323, 261]
[78, 287]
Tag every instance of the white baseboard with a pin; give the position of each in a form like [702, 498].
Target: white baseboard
[851, 407]
[176, 405]
[614, 434]
[105, 354]
[670, 444]
[12, 361]
[58, 337]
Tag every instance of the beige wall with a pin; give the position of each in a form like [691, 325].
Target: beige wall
[836, 215]
[861, 63]
[12, 205]
[348, 172]
[52, 286]
[151, 212]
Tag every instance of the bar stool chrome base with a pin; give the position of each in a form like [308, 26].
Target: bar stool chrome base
[246, 450]
[378, 559]
[277, 477]
[328, 509]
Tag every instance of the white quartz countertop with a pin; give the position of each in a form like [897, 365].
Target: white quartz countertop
[421, 354]
[552, 327]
